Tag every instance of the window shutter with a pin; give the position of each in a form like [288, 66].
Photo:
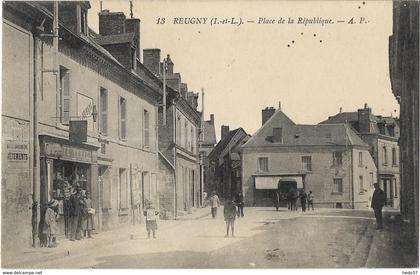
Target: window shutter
[104, 111]
[65, 97]
[146, 128]
[123, 119]
[106, 189]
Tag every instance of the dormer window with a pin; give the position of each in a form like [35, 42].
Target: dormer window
[82, 26]
[133, 59]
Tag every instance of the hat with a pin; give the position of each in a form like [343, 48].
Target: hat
[53, 203]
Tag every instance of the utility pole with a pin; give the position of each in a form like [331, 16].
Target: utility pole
[164, 93]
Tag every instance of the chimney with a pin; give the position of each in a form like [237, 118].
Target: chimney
[341, 110]
[212, 119]
[132, 25]
[170, 65]
[280, 105]
[364, 117]
[184, 91]
[151, 60]
[225, 131]
[267, 113]
[111, 22]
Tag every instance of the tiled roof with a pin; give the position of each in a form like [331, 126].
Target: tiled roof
[304, 135]
[115, 38]
[221, 145]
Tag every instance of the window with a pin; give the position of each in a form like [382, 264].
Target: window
[186, 134]
[337, 158]
[192, 140]
[133, 59]
[146, 130]
[360, 159]
[263, 164]
[278, 135]
[64, 95]
[361, 187]
[371, 179]
[338, 186]
[123, 188]
[394, 156]
[103, 111]
[82, 20]
[384, 156]
[122, 108]
[391, 130]
[395, 188]
[307, 163]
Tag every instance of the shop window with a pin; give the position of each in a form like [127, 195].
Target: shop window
[146, 128]
[337, 158]
[103, 119]
[123, 188]
[122, 118]
[65, 95]
[263, 164]
[307, 163]
[338, 186]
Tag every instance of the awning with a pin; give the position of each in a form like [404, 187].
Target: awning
[271, 182]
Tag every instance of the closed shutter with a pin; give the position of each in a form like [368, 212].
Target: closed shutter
[123, 118]
[65, 95]
[105, 179]
[104, 111]
[146, 128]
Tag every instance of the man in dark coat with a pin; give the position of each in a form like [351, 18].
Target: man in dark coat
[239, 200]
[378, 201]
[76, 214]
[290, 196]
[303, 198]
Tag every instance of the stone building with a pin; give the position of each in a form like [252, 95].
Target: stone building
[328, 159]
[46, 108]
[381, 133]
[208, 141]
[404, 72]
[180, 187]
[225, 163]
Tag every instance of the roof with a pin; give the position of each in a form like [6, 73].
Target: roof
[304, 135]
[209, 133]
[221, 145]
[346, 117]
[115, 38]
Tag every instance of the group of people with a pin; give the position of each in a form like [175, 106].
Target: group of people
[294, 195]
[233, 208]
[80, 213]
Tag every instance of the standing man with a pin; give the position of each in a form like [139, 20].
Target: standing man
[378, 201]
[76, 215]
[229, 213]
[303, 197]
[277, 199]
[290, 196]
[214, 203]
[240, 203]
[310, 200]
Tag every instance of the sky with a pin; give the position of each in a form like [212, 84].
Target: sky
[312, 70]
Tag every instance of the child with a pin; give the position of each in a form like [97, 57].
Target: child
[229, 212]
[88, 216]
[50, 223]
[151, 219]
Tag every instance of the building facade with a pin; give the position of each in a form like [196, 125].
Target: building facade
[404, 73]
[381, 134]
[207, 144]
[80, 85]
[329, 160]
[225, 163]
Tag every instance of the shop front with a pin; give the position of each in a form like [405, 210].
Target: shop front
[64, 166]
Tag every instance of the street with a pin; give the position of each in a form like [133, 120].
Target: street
[265, 238]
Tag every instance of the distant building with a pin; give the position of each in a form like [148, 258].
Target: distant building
[328, 159]
[381, 134]
[404, 72]
[225, 163]
[208, 136]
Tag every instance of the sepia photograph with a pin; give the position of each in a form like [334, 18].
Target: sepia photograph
[198, 134]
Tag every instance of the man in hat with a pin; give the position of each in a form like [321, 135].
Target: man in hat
[214, 203]
[76, 215]
[378, 201]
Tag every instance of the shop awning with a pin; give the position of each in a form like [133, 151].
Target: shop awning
[271, 182]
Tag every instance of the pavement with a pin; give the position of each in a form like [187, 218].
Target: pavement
[264, 238]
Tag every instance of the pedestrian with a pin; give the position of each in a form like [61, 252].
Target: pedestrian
[88, 216]
[76, 214]
[378, 201]
[214, 203]
[239, 200]
[229, 213]
[151, 219]
[276, 200]
[205, 199]
[310, 200]
[295, 199]
[50, 228]
[290, 196]
[303, 197]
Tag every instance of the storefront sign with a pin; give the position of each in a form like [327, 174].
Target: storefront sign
[68, 152]
[15, 142]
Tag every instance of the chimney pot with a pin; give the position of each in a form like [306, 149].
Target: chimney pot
[366, 106]
[225, 131]
[212, 119]
[267, 113]
[280, 105]
[341, 109]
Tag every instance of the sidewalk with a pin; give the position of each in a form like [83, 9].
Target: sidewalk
[102, 239]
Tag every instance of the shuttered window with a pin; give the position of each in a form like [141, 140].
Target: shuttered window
[123, 118]
[65, 95]
[103, 119]
[146, 125]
